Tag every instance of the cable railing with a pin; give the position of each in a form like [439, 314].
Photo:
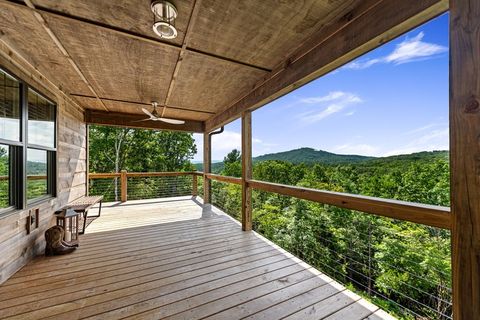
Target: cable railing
[227, 197]
[125, 185]
[395, 253]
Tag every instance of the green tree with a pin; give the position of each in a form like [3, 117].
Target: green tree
[232, 164]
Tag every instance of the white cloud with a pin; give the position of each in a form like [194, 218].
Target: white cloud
[409, 50]
[329, 104]
[360, 149]
[437, 139]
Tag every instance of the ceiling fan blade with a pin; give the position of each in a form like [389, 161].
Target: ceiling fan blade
[171, 121]
[148, 113]
[148, 119]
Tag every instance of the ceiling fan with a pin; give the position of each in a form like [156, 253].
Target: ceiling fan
[155, 116]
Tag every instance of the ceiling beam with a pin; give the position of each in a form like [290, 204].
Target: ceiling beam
[129, 120]
[62, 49]
[139, 103]
[188, 32]
[363, 29]
[133, 35]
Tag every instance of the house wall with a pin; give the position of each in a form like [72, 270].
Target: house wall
[16, 247]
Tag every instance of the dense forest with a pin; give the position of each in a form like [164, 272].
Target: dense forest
[403, 267]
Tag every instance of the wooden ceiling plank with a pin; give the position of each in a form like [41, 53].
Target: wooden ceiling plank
[120, 119]
[364, 32]
[137, 36]
[57, 42]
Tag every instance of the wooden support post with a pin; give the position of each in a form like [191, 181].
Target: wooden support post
[246, 171]
[465, 156]
[207, 154]
[194, 185]
[123, 185]
[87, 149]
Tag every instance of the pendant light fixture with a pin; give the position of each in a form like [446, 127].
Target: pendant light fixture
[164, 15]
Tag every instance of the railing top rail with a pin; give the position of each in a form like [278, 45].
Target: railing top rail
[141, 174]
[226, 179]
[434, 216]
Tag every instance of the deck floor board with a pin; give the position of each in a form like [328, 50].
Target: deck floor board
[175, 259]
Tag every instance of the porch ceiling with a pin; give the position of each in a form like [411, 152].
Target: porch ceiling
[230, 47]
[105, 55]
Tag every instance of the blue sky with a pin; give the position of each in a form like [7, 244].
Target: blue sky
[392, 100]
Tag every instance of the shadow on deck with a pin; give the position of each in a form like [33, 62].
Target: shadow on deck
[172, 258]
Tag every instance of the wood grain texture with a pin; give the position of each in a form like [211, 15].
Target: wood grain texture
[16, 247]
[134, 16]
[429, 215]
[247, 168]
[378, 25]
[208, 84]
[226, 179]
[173, 258]
[20, 31]
[465, 156]
[115, 65]
[264, 32]
[136, 121]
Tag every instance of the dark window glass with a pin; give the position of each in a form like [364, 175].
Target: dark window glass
[4, 177]
[41, 120]
[36, 173]
[9, 107]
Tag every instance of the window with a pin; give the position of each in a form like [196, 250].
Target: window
[41, 120]
[9, 107]
[27, 144]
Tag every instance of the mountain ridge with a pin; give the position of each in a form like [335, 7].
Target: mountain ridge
[310, 156]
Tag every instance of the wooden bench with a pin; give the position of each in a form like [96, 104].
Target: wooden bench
[82, 205]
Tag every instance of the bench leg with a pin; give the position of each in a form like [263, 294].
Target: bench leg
[99, 210]
[84, 223]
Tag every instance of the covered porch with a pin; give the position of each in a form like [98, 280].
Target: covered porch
[98, 62]
[174, 258]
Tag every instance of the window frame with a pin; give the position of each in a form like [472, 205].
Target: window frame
[18, 154]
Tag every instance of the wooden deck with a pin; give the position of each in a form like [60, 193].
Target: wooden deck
[171, 258]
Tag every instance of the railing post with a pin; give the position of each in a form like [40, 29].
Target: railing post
[465, 156]
[195, 185]
[123, 186]
[207, 154]
[246, 171]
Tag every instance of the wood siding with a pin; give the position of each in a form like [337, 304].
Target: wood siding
[16, 247]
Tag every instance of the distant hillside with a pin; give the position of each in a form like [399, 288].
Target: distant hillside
[309, 156]
[302, 155]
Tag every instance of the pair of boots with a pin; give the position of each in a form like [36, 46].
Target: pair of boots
[55, 244]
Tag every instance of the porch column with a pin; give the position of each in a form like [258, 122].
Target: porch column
[465, 156]
[207, 155]
[246, 171]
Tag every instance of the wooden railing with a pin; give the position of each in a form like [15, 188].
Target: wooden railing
[124, 175]
[433, 216]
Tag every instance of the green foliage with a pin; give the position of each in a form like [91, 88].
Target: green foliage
[232, 164]
[310, 156]
[113, 149]
[398, 265]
